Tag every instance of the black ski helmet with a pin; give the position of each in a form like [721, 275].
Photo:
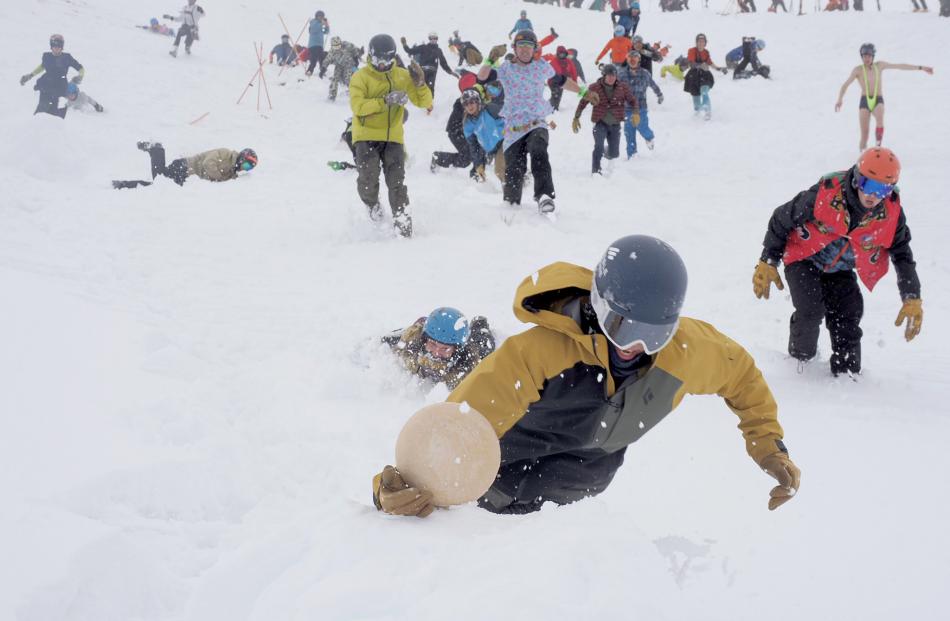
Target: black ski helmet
[524, 35]
[319, 15]
[868, 48]
[638, 291]
[382, 52]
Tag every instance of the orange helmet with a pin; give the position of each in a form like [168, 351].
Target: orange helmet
[880, 164]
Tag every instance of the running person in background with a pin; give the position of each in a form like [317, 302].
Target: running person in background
[430, 58]
[572, 55]
[637, 118]
[523, 23]
[629, 18]
[618, 47]
[564, 70]
[526, 130]
[52, 85]
[615, 96]
[468, 54]
[700, 79]
[319, 29]
[190, 14]
[872, 91]
[345, 58]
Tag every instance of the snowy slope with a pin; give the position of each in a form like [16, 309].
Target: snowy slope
[192, 407]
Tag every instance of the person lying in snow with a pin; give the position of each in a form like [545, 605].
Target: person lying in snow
[443, 347]
[214, 165]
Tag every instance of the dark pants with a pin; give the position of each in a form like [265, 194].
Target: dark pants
[391, 157]
[189, 34]
[316, 57]
[461, 159]
[49, 103]
[748, 58]
[557, 91]
[610, 134]
[430, 74]
[834, 297]
[523, 486]
[535, 144]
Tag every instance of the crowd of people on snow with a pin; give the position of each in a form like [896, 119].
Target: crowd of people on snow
[620, 322]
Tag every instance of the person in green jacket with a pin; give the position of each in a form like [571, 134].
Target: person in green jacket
[379, 93]
[214, 165]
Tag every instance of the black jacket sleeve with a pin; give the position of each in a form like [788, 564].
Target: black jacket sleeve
[785, 219]
[903, 257]
[444, 63]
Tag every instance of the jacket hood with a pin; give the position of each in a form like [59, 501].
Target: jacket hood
[544, 298]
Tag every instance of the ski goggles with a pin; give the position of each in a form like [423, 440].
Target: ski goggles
[382, 61]
[526, 43]
[873, 186]
[247, 164]
[626, 333]
[56, 44]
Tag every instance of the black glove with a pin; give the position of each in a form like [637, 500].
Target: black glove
[99, 107]
[26, 78]
[167, 16]
[76, 79]
[723, 70]
[659, 99]
[396, 98]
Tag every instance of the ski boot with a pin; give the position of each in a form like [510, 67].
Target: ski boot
[545, 204]
[403, 225]
[147, 146]
[174, 52]
[433, 163]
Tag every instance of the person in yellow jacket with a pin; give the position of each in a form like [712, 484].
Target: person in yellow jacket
[214, 165]
[379, 93]
[608, 359]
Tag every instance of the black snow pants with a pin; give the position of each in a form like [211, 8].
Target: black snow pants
[430, 74]
[609, 134]
[177, 171]
[49, 103]
[316, 58]
[460, 159]
[391, 157]
[535, 144]
[834, 297]
[523, 486]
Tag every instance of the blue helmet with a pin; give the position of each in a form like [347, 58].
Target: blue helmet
[153, 21]
[759, 44]
[72, 90]
[619, 30]
[447, 325]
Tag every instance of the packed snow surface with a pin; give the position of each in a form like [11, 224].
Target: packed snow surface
[192, 400]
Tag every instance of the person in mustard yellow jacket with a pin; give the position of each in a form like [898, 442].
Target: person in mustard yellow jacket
[607, 359]
[379, 93]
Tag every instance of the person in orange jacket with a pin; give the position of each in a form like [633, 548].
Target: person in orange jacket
[618, 47]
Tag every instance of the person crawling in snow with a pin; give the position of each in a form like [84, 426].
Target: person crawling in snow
[214, 165]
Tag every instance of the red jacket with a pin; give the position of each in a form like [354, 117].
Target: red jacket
[695, 56]
[562, 66]
[616, 103]
[870, 240]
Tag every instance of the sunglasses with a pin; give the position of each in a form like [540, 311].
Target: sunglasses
[874, 187]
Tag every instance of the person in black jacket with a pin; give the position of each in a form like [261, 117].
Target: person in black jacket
[846, 226]
[647, 53]
[52, 84]
[430, 58]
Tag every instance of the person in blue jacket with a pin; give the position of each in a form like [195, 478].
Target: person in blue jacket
[629, 18]
[484, 131]
[522, 24]
[319, 29]
[283, 51]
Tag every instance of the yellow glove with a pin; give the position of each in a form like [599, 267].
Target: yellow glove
[789, 477]
[592, 97]
[763, 278]
[497, 52]
[913, 312]
[635, 118]
[576, 124]
[418, 77]
[393, 495]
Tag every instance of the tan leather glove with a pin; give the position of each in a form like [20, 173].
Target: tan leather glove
[913, 312]
[393, 495]
[479, 173]
[635, 118]
[592, 97]
[576, 125]
[789, 477]
[763, 278]
[418, 76]
[497, 52]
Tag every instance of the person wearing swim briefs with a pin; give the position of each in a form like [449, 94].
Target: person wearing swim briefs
[868, 76]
